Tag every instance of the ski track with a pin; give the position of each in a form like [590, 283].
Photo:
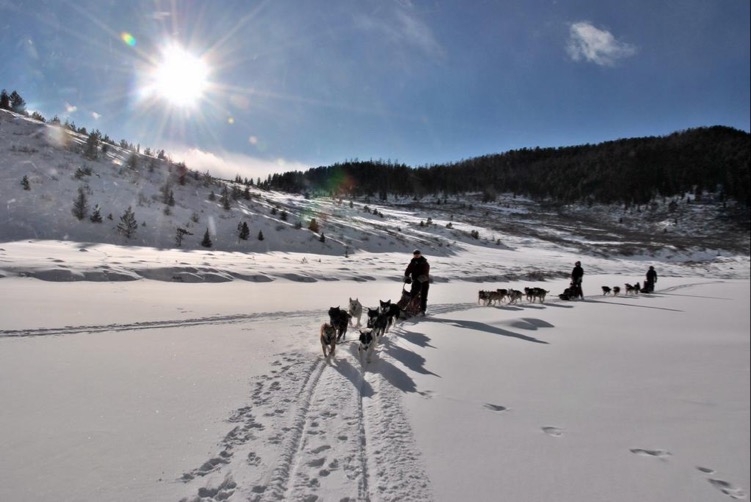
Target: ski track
[337, 428]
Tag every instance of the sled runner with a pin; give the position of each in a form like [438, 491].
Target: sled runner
[409, 306]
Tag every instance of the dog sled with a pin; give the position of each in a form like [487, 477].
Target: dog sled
[408, 306]
[572, 292]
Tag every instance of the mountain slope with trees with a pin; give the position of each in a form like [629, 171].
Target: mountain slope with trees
[679, 195]
[626, 171]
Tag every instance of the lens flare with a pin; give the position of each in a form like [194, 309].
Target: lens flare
[129, 39]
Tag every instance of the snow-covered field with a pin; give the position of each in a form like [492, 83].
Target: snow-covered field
[150, 389]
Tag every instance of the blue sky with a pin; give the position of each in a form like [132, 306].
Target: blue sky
[292, 84]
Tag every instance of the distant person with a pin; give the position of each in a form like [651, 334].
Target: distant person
[649, 284]
[577, 274]
[418, 274]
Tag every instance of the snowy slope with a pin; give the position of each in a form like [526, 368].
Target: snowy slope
[51, 158]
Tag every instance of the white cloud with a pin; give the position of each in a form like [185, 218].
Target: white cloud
[96, 116]
[590, 44]
[70, 108]
[229, 165]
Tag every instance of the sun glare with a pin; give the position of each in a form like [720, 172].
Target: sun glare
[180, 78]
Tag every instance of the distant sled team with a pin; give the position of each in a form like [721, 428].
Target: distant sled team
[498, 296]
[572, 292]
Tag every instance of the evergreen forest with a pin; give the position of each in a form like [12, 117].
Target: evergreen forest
[628, 171]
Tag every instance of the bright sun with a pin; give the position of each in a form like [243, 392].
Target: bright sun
[180, 78]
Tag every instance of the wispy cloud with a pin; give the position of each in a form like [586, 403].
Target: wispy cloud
[416, 32]
[229, 165]
[593, 45]
[403, 27]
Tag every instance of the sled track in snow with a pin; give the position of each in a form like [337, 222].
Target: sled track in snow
[165, 324]
[319, 430]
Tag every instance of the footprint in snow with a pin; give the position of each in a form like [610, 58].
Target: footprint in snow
[553, 431]
[728, 489]
[495, 407]
[661, 454]
[317, 462]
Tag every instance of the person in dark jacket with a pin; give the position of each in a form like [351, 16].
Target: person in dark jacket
[649, 284]
[577, 274]
[418, 274]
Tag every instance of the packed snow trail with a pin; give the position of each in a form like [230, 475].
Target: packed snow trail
[336, 427]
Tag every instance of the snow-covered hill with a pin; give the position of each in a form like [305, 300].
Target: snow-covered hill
[45, 171]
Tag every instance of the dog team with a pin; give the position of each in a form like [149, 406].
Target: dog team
[379, 322]
[497, 296]
[635, 289]
[382, 318]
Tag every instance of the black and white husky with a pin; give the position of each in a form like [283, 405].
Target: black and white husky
[367, 344]
[355, 310]
[391, 311]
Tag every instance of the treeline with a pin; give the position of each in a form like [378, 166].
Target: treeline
[629, 171]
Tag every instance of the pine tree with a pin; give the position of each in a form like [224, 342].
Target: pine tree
[168, 196]
[4, 100]
[260, 235]
[92, 146]
[132, 161]
[25, 183]
[96, 216]
[225, 198]
[128, 224]
[80, 204]
[244, 231]
[206, 242]
[322, 238]
[180, 233]
[17, 103]
[313, 226]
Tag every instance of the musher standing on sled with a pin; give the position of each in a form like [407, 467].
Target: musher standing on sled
[418, 274]
[649, 285]
[577, 274]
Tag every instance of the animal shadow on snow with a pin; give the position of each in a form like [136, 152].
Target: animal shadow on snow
[411, 360]
[531, 324]
[395, 376]
[354, 375]
[487, 328]
[416, 339]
